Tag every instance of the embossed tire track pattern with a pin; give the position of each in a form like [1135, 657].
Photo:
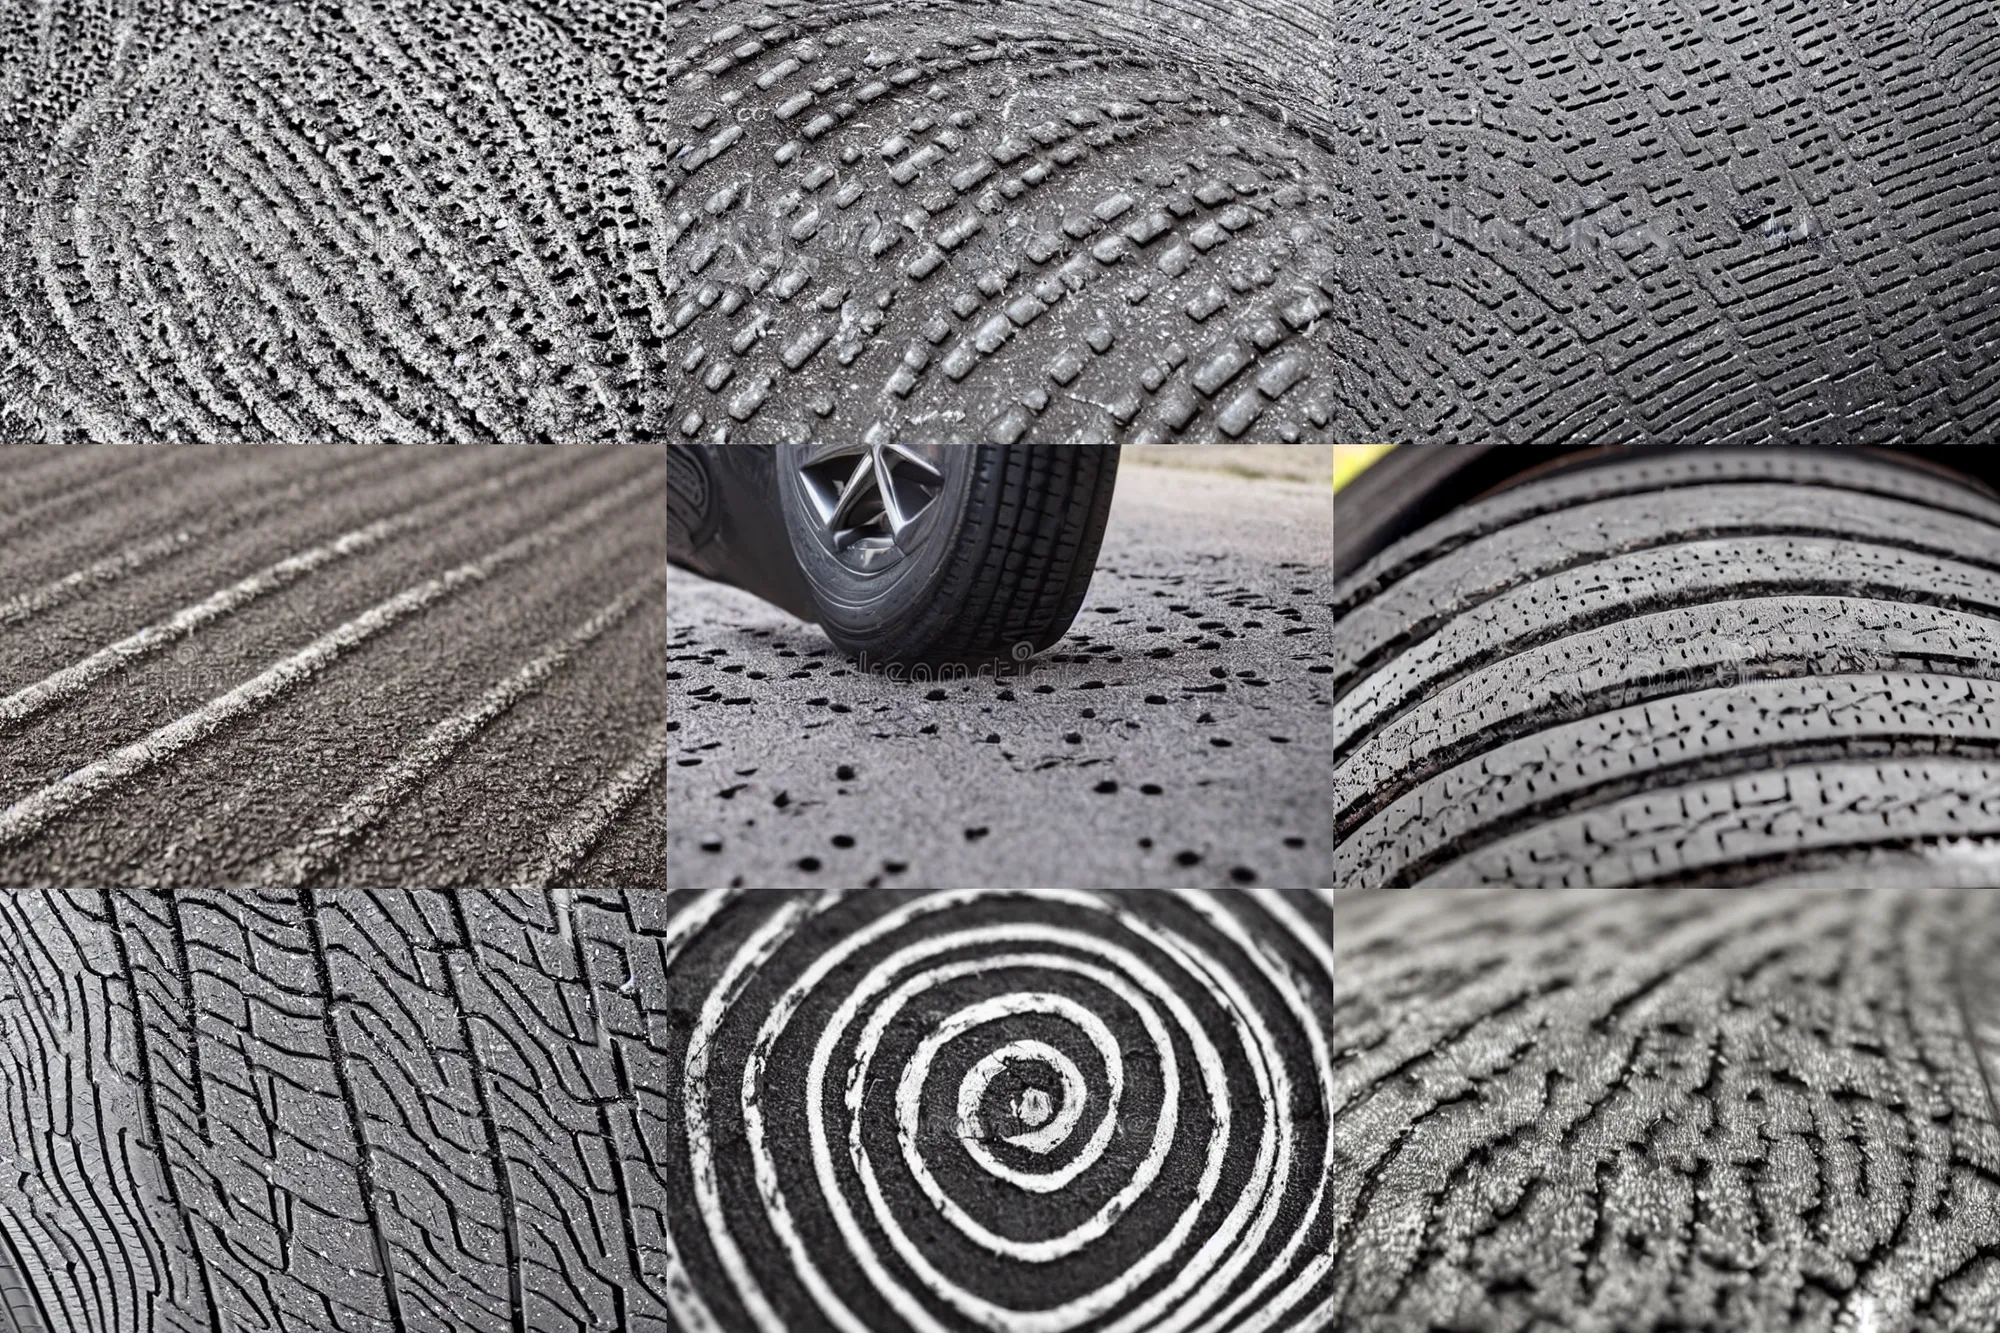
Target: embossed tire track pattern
[278, 666]
[517, 1110]
[1671, 1110]
[1065, 219]
[1701, 666]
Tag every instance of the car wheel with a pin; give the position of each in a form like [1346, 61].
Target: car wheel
[941, 553]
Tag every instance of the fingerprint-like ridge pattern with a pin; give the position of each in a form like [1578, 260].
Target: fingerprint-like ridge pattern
[997, 219]
[843, 1051]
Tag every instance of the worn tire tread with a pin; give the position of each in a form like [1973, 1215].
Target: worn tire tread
[1657, 668]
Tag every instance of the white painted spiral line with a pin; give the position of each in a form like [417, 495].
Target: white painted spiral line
[1086, 974]
[1076, 1096]
[907, 1108]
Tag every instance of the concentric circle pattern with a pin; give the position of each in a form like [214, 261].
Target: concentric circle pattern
[1034, 1111]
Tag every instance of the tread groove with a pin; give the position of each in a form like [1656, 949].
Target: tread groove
[1607, 687]
[308, 908]
[1586, 707]
[1357, 673]
[482, 1089]
[149, 1108]
[1738, 592]
[1776, 757]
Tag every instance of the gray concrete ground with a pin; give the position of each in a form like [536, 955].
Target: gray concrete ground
[1178, 736]
[1292, 462]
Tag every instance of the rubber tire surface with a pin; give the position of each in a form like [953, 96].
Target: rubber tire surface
[1676, 1111]
[1050, 219]
[18, 1310]
[1002, 578]
[1700, 667]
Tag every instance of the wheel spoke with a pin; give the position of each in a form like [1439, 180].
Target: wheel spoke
[929, 457]
[824, 452]
[866, 479]
[868, 496]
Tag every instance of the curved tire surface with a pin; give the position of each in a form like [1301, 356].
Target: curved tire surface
[1004, 580]
[1710, 667]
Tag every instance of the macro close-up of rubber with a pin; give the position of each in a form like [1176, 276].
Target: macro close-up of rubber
[1761, 1111]
[1708, 666]
[1063, 220]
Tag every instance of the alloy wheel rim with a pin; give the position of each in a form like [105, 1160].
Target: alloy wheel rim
[871, 500]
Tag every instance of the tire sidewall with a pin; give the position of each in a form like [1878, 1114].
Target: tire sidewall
[869, 613]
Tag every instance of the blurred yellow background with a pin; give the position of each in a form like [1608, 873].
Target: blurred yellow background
[1350, 459]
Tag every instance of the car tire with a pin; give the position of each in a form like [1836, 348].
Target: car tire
[988, 560]
[1710, 667]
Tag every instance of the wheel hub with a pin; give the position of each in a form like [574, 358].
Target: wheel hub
[871, 499]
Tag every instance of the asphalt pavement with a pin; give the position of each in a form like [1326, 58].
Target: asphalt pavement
[277, 665]
[1178, 736]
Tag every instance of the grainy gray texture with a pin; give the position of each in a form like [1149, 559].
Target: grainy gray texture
[1178, 734]
[1065, 219]
[1291, 461]
[234, 665]
[1583, 1110]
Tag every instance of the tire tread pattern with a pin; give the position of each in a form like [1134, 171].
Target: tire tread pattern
[368, 1112]
[1736, 663]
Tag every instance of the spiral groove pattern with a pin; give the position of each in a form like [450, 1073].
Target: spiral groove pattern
[1027, 1111]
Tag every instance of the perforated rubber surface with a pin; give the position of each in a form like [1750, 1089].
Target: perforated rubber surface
[1178, 736]
[1706, 666]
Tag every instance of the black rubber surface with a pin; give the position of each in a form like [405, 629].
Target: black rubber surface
[1706, 667]
[20, 1308]
[1414, 485]
[1001, 579]
[1419, 484]
[1059, 219]
[1685, 1109]
[512, 1111]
